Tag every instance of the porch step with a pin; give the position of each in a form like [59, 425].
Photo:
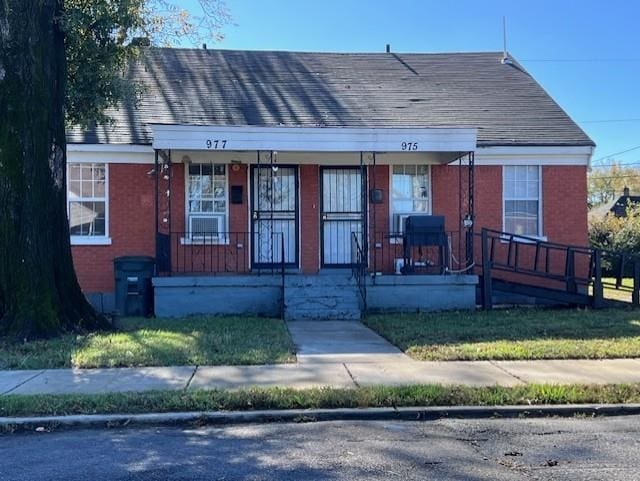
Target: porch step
[321, 297]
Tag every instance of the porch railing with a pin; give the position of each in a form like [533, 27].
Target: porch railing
[185, 253]
[388, 255]
[359, 266]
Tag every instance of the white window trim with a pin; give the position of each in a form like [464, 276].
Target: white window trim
[540, 235]
[223, 239]
[87, 240]
[391, 211]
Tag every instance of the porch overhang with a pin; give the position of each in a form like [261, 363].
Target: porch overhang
[451, 142]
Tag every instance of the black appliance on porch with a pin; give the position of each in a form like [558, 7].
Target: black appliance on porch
[422, 233]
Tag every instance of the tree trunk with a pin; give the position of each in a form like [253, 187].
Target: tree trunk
[39, 293]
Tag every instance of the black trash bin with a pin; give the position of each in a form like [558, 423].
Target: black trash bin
[134, 292]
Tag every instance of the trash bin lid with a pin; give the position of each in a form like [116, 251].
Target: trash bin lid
[133, 263]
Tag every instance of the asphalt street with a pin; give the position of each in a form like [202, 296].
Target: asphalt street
[542, 449]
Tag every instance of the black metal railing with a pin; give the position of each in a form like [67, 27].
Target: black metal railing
[389, 255]
[224, 253]
[359, 266]
[578, 273]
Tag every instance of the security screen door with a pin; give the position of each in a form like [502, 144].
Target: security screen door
[274, 216]
[341, 214]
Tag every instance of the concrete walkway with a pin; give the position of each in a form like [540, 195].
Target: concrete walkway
[340, 342]
[340, 354]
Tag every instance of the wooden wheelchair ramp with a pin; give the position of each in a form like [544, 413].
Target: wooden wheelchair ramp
[558, 273]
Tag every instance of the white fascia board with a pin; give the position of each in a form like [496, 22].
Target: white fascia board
[313, 139]
[110, 153]
[578, 155]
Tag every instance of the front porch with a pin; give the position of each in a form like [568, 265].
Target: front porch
[247, 231]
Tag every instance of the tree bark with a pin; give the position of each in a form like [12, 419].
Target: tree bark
[39, 293]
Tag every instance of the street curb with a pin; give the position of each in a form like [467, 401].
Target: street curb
[213, 418]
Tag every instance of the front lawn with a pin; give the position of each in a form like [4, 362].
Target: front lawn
[623, 294]
[514, 334]
[201, 340]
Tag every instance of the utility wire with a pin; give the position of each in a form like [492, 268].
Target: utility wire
[622, 165]
[616, 153]
[606, 121]
[579, 60]
[627, 176]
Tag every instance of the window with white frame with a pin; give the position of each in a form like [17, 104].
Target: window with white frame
[87, 200]
[207, 202]
[410, 192]
[521, 192]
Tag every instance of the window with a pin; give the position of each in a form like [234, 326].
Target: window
[87, 201]
[521, 188]
[206, 201]
[409, 193]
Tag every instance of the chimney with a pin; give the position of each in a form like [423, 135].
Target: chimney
[388, 49]
[625, 192]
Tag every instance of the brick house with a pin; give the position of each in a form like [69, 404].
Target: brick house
[247, 174]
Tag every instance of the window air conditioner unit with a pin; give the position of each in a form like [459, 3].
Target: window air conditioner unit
[205, 227]
[398, 223]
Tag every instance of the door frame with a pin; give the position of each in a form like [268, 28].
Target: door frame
[264, 265]
[363, 170]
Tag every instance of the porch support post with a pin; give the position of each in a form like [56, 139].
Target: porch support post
[156, 170]
[163, 210]
[364, 203]
[470, 218]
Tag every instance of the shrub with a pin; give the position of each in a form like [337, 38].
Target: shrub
[619, 234]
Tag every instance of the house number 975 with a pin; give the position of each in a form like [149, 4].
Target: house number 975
[409, 145]
[216, 144]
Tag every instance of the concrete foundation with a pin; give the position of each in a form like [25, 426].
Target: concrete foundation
[421, 293]
[309, 297]
[219, 295]
[104, 302]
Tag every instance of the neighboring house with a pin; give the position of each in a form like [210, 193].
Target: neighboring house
[620, 206]
[248, 162]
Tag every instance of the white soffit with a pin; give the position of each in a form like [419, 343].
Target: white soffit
[313, 139]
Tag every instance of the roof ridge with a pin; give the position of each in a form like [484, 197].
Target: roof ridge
[319, 52]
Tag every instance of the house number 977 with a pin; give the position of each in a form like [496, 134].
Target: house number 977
[409, 145]
[216, 144]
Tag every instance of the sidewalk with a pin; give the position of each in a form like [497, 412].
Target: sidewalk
[339, 354]
[304, 375]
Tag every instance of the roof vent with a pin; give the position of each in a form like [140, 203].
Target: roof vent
[388, 49]
[204, 46]
[505, 53]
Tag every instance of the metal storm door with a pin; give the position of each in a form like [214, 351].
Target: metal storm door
[274, 214]
[342, 214]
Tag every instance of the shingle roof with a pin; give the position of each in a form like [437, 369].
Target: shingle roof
[226, 87]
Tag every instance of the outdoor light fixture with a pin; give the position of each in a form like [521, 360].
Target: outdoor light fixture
[467, 222]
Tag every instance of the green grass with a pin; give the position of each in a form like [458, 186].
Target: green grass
[617, 294]
[198, 340]
[280, 398]
[514, 334]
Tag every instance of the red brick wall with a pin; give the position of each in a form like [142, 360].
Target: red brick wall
[131, 227]
[564, 204]
[309, 218]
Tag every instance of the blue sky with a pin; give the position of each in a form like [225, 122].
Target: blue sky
[606, 87]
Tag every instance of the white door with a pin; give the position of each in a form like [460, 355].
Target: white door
[342, 214]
